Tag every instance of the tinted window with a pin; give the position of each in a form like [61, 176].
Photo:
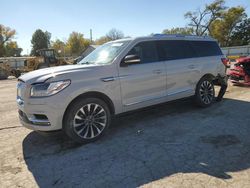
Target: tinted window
[146, 51]
[206, 48]
[175, 49]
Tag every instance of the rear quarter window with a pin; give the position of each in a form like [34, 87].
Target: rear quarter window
[206, 48]
[175, 49]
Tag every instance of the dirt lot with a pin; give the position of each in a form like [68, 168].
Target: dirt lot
[170, 145]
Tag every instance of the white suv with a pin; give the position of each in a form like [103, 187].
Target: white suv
[117, 77]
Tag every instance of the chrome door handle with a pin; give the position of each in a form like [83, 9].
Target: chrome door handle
[108, 79]
[191, 66]
[157, 71]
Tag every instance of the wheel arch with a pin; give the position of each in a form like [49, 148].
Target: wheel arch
[94, 94]
[212, 77]
[208, 75]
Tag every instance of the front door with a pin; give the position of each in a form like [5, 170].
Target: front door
[143, 82]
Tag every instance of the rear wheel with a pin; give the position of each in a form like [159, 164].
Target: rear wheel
[205, 94]
[86, 120]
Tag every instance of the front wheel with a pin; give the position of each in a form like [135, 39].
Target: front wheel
[86, 120]
[205, 94]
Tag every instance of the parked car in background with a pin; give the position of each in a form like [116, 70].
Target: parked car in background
[239, 72]
[118, 77]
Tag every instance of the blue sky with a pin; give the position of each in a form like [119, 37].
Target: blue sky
[133, 17]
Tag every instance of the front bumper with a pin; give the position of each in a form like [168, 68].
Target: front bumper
[34, 124]
[41, 114]
[240, 79]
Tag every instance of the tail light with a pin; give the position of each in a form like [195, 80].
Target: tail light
[225, 61]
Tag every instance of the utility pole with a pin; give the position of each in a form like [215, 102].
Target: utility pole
[90, 35]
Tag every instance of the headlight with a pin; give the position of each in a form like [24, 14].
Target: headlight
[48, 89]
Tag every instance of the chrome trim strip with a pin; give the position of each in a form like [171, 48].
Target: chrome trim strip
[123, 76]
[157, 97]
[36, 121]
[144, 101]
[177, 92]
[112, 78]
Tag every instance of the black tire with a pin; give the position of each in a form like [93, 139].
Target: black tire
[81, 121]
[204, 94]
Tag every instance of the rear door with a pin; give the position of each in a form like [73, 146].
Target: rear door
[209, 56]
[144, 82]
[181, 66]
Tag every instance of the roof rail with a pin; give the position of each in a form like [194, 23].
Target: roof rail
[179, 35]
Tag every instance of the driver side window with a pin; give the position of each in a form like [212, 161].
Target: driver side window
[146, 51]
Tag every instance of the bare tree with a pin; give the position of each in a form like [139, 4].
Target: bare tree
[201, 20]
[115, 34]
[179, 30]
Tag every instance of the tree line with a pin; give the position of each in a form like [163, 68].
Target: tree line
[7, 46]
[76, 43]
[229, 25]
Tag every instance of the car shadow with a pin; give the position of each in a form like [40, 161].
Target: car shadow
[147, 145]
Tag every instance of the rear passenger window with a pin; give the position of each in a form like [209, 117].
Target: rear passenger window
[146, 51]
[175, 49]
[206, 48]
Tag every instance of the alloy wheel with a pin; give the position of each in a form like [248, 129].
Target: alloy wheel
[90, 120]
[207, 92]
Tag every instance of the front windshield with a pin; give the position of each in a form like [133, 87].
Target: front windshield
[104, 54]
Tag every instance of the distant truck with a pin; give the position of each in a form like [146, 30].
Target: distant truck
[14, 66]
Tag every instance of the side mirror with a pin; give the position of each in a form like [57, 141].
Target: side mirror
[130, 59]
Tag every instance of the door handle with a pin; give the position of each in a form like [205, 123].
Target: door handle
[191, 66]
[108, 79]
[157, 71]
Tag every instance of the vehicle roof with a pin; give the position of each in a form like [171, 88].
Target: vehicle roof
[168, 37]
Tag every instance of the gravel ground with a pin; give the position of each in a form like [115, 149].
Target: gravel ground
[169, 145]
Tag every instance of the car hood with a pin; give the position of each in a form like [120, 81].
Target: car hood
[41, 75]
